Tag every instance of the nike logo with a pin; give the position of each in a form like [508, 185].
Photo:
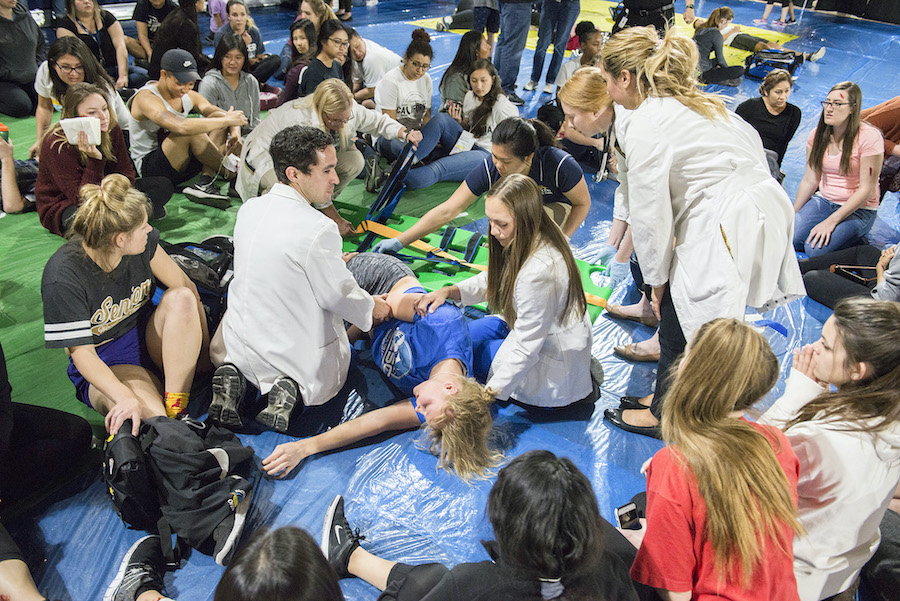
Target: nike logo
[337, 534]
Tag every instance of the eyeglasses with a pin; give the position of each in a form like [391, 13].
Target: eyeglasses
[67, 69]
[422, 66]
[337, 121]
[829, 104]
[340, 43]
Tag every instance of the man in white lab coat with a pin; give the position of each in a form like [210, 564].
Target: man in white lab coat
[284, 328]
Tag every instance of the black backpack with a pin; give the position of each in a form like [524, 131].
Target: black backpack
[129, 478]
[210, 265]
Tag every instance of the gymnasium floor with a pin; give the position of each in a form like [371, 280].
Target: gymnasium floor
[407, 509]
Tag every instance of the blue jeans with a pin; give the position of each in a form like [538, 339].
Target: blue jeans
[515, 19]
[847, 233]
[445, 130]
[557, 18]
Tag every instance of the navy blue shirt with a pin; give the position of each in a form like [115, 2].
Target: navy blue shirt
[554, 170]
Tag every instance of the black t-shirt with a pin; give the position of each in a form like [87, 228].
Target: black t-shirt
[100, 43]
[646, 4]
[316, 73]
[152, 16]
[554, 170]
[775, 131]
[488, 581]
[85, 305]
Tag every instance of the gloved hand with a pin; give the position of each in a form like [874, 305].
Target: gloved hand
[388, 246]
[618, 272]
[605, 253]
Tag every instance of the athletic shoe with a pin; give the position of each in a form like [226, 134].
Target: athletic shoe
[374, 174]
[228, 532]
[778, 23]
[228, 388]
[817, 54]
[733, 83]
[338, 540]
[548, 88]
[530, 86]
[514, 98]
[232, 191]
[791, 22]
[141, 570]
[205, 191]
[761, 21]
[281, 401]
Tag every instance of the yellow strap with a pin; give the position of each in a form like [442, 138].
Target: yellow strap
[388, 232]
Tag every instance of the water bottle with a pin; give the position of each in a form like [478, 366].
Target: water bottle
[4, 132]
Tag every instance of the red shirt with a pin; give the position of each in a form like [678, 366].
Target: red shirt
[675, 556]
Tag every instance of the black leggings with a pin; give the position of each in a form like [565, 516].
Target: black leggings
[719, 74]
[411, 583]
[828, 288]
[266, 68]
[157, 188]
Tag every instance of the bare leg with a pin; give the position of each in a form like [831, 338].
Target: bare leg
[370, 568]
[145, 386]
[626, 247]
[175, 335]
[649, 347]
[642, 308]
[16, 582]
[768, 11]
[134, 48]
[640, 417]
[179, 149]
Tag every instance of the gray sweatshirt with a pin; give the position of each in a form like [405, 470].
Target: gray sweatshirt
[22, 46]
[889, 289]
[214, 88]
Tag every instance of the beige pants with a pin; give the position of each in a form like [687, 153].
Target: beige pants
[350, 163]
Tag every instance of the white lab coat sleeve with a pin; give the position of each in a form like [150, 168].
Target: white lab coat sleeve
[799, 390]
[650, 157]
[333, 284]
[473, 290]
[620, 202]
[372, 122]
[537, 298]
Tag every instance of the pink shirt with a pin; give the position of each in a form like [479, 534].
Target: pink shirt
[216, 7]
[837, 187]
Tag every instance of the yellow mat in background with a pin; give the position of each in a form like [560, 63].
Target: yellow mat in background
[597, 11]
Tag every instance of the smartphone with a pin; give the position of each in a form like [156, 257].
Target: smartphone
[627, 517]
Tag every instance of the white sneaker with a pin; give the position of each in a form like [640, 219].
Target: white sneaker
[817, 54]
[530, 86]
[548, 88]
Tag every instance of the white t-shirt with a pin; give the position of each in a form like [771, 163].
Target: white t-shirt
[411, 99]
[379, 60]
[567, 70]
[503, 109]
[44, 87]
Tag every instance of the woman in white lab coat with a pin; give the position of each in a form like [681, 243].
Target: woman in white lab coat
[712, 229]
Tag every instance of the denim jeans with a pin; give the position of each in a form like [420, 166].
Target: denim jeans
[557, 18]
[445, 130]
[847, 233]
[515, 19]
[441, 128]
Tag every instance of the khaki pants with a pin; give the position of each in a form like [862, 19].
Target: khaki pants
[350, 163]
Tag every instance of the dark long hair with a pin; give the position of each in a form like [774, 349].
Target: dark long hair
[231, 41]
[823, 131]
[534, 227]
[523, 136]
[309, 30]
[479, 117]
[172, 34]
[279, 565]
[545, 518]
[326, 30]
[93, 72]
[867, 329]
[466, 55]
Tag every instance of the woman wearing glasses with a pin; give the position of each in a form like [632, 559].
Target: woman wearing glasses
[404, 93]
[334, 44]
[844, 157]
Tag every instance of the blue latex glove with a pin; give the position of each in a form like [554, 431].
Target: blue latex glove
[618, 272]
[605, 254]
[389, 246]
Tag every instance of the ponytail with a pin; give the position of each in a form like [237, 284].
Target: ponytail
[523, 137]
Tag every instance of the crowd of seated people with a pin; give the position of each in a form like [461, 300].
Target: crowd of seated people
[787, 507]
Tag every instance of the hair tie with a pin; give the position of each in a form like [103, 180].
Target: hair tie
[659, 43]
[551, 588]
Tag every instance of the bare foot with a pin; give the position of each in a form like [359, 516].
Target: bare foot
[641, 309]
[647, 347]
[639, 417]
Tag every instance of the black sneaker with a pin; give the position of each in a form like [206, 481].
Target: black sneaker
[205, 191]
[228, 532]
[281, 401]
[232, 191]
[338, 540]
[228, 388]
[141, 570]
[514, 98]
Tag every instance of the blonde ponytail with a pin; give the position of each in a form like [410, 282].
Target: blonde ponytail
[113, 207]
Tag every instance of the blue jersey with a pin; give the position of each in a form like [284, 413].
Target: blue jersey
[553, 169]
[407, 351]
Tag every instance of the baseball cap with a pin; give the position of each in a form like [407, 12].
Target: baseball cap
[180, 64]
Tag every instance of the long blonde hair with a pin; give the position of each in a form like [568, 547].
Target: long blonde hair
[661, 68]
[331, 96]
[459, 437]
[321, 10]
[75, 95]
[586, 90]
[522, 197]
[114, 207]
[729, 367]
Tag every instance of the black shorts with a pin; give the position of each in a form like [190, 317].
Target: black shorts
[156, 164]
[744, 41]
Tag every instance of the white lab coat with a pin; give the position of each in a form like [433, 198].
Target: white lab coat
[705, 184]
[256, 146]
[290, 294]
[847, 480]
[541, 362]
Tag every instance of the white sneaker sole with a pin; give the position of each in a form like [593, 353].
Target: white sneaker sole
[228, 389]
[326, 525]
[120, 575]
[240, 518]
